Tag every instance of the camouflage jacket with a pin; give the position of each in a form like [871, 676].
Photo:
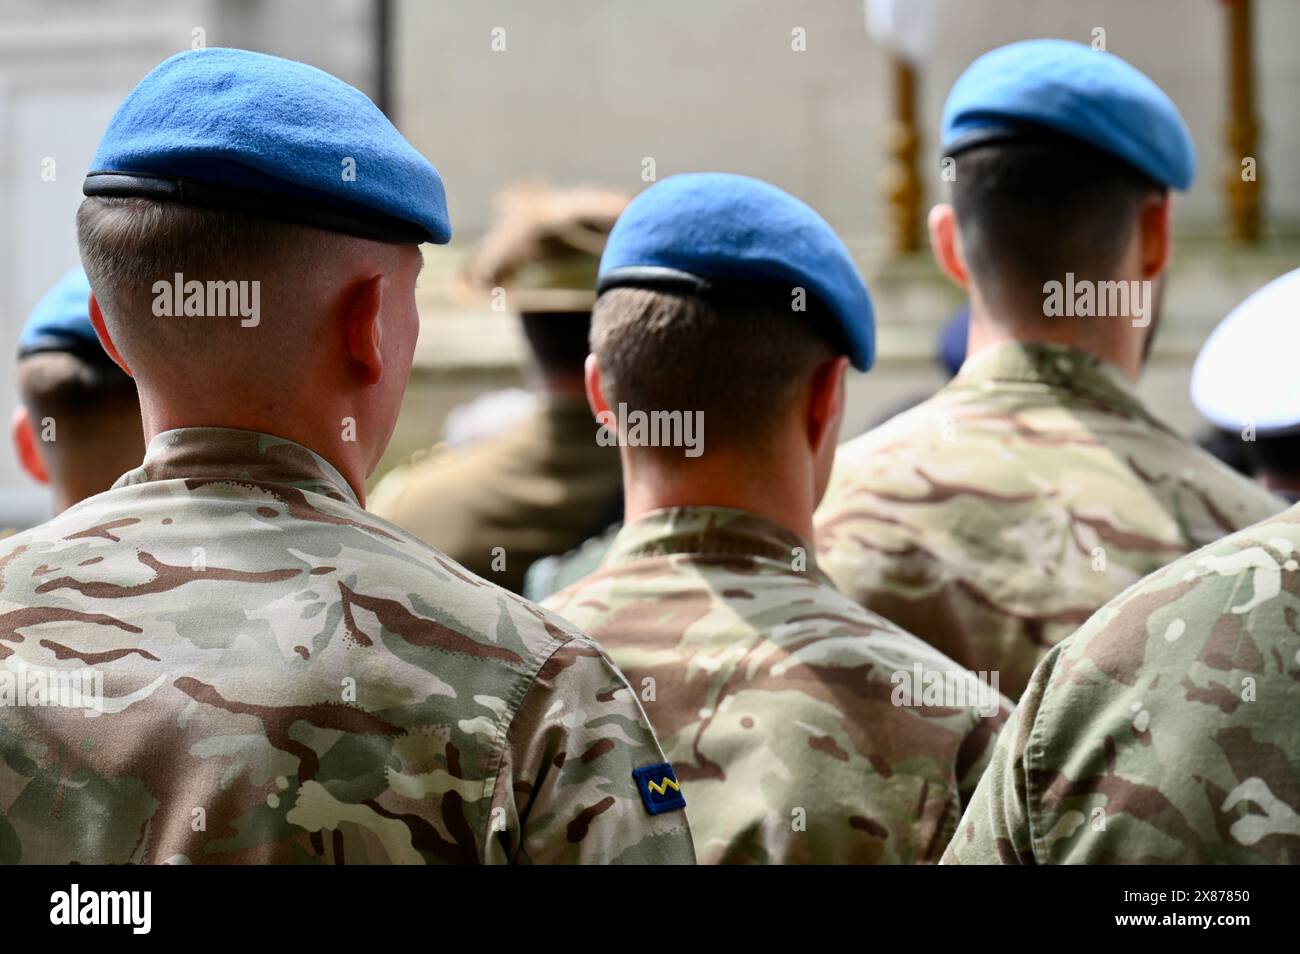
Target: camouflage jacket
[997, 516]
[787, 710]
[1167, 729]
[497, 506]
[553, 573]
[278, 676]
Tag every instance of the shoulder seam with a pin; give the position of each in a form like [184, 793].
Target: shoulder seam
[523, 685]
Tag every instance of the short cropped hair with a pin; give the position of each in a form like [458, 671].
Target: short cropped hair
[1030, 211]
[128, 244]
[77, 394]
[741, 362]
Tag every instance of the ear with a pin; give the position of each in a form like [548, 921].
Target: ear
[362, 306]
[595, 394]
[101, 332]
[20, 428]
[826, 402]
[945, 241]
[1155, 224]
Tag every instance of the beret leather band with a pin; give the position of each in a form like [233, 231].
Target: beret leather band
[659, 278]
[89, 352]
[362, 223]
[1028, 133]
[1004, 134]
[773, 294]
[653, 276]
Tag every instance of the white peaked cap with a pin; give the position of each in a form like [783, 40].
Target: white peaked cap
[1248, 371]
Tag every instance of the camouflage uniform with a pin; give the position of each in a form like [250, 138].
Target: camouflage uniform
[774, 695]
[995, 518]
[289, 679]
[553, 573]
[1167, 729]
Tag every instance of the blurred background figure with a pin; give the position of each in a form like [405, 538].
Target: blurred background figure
[77, 427]
[528, 478]
[1244, 382]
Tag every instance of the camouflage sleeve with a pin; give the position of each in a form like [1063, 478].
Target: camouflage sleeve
[566, 792]
[976, 751]
[995, 828]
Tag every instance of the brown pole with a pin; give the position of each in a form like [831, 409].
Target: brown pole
[1240, 178]
[902, 180]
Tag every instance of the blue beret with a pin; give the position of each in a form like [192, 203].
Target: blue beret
[61, 322]
[241, 130]
[1245, 373]
[1074, 90]
[701, 229]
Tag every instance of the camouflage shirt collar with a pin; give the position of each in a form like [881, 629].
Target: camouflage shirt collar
[712, 532]
[1055, 366]
[227, 453]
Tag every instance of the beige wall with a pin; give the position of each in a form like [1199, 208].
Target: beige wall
[587, 90]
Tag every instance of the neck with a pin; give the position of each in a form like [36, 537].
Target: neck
[1116, 341]
[339, 444]
[781, 491]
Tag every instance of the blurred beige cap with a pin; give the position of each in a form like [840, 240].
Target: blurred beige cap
[543, 249]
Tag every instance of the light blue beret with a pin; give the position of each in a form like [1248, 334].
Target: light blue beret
[1076, 91]
[61, 322]
[1245, 373]
[706, 231]
[246, 131]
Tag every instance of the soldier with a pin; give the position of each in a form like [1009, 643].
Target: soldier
[543, 485]
[795, 719]
[274, 674]
[78, 426]
[1238, 386]
[552, 574]
[994, 518]
[1167, 729]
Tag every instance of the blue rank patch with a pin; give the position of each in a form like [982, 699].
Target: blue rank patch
[660, 790]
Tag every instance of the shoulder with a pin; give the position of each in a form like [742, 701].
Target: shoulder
[1195, 665]
[1240, 500]
[919, 425]
[1243, 582]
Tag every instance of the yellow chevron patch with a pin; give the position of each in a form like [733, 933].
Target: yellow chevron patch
[662, 787]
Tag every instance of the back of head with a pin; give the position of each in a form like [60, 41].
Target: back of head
[78, 427]
[254, 254]
[1057, 148]
[728, 311]
[739, 362]
[1031, 210]
[86, 419]
[184, 287]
